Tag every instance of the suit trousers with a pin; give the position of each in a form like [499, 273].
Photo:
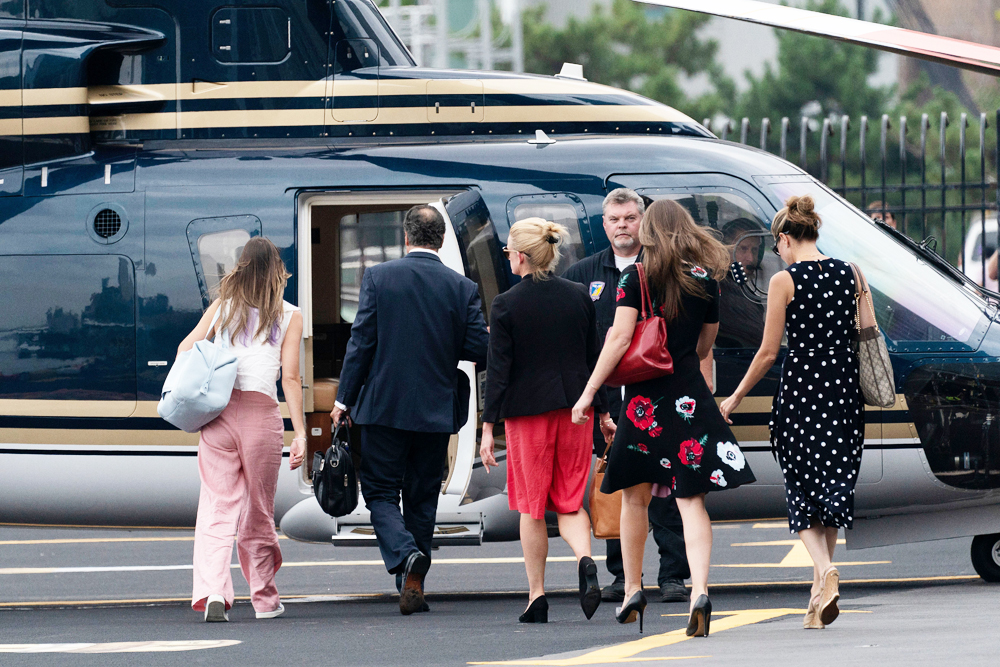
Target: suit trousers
[403, 464]
[668, 532]
[239, 457]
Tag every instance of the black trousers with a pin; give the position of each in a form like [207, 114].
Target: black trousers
[407, 465]
[668, 532]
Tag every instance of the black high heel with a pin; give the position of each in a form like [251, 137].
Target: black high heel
[590, 589]
[636, 606]
[537, 611]
[701, 617]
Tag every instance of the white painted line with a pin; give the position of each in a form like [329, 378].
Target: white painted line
[121, 647]
[324, 563]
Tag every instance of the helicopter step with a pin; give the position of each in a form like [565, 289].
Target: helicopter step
[445, 534]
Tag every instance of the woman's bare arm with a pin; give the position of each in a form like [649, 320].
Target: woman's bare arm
[779, 295]
[615, 347]
[291, 384]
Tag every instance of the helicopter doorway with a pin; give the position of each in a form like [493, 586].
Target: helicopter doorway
[345, 234]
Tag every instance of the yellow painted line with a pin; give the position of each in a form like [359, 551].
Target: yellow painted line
[900, 580]
[121, 647]
[798, 556]
[89, 526]
[798, 611]
[628, 651]
[771, 525]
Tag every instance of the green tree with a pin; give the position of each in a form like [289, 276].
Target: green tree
[632, 48]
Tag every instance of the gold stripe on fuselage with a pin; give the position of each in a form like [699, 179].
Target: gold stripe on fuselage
[16, 407]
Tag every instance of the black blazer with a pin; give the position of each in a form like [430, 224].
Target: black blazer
[416, 320]
[543, 348]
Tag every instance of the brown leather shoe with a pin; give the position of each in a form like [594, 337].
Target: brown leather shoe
[411, 596]
[811, 620]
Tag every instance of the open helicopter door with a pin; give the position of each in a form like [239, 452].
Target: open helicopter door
[11, 131]
[349, 231]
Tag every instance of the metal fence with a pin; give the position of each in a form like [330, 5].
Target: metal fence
[933, 198]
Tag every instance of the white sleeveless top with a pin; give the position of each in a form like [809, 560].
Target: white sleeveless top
[258, 361]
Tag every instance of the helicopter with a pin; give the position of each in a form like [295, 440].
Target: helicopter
[145, 143]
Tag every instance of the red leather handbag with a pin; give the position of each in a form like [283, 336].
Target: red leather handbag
[647, 357]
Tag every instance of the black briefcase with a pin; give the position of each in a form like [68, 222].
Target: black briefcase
[334, 481]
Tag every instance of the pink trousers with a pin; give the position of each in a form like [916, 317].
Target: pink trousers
[239, 456]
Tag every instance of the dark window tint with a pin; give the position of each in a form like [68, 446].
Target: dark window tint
[251, 34]
[477, 240]
[67, 329]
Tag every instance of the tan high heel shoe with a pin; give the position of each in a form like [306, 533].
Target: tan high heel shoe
[811, 620]
[828, 610]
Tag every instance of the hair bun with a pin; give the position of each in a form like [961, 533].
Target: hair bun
[804, 205]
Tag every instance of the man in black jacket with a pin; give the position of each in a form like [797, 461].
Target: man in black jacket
[623, 209]
[416, 320]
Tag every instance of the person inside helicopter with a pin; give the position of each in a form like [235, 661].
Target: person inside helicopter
[741, 319]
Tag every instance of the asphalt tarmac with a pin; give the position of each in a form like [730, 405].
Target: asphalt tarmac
[120, 597]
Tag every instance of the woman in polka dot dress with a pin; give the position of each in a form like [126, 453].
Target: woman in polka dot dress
[817, 421]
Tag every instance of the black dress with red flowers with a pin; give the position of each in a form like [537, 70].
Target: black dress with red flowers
[670, 431]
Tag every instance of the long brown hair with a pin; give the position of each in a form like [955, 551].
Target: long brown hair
[672, 245]
[257, 283]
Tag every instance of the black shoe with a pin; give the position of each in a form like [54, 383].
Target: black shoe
[701, 617]
[673, 590]
[537, 611]
[614, 592]
[590, 590]
[636, 606]
[411, 597]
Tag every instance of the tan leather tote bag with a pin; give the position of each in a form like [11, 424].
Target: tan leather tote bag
[605, 509]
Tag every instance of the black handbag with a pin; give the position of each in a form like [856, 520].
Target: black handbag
[334, 481]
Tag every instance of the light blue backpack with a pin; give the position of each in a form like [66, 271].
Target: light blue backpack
[200, 383]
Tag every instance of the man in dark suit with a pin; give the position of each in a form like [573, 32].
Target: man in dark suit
[400, 382]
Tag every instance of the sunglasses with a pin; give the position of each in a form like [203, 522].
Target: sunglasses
[507, 251]
[774, 248]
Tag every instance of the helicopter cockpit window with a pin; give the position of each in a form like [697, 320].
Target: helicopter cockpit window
[561, 209]
[366, 239]
[216, 245]
[361, 21]
[743, 297]
[913, 300]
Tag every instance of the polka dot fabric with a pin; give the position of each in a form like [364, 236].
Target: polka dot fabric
[817, 422]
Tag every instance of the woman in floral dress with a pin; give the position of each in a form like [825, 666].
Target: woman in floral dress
[671, 438]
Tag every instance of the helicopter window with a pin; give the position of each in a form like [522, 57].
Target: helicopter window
[219, 253]
[361, 20]
[366, 239]
[913, 300]
[561, 209]
[251, 34]
[743, 297]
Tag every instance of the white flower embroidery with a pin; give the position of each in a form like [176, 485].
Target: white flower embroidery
[717, 478]
[731, 455]
[665, 463]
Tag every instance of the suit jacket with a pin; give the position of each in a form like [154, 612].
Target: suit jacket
[416, 320]
[543, 348]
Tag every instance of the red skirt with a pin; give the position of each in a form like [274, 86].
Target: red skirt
[548, 462]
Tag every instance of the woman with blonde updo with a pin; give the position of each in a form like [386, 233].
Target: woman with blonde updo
[543, 346]
[817, 419]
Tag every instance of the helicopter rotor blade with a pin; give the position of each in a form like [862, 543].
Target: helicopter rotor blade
[944, 50]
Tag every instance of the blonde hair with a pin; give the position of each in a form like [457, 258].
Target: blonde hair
[539, 241]
[798, 219]
[672, 243]
[257, 283]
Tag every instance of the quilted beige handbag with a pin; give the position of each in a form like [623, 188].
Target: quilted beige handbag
[878, 385]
